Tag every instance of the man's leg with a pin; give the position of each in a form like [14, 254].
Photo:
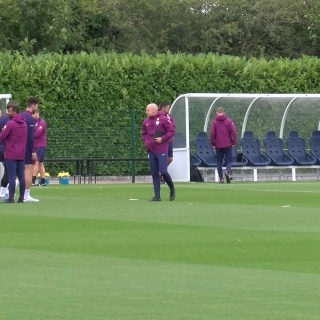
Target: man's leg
[163, 167]
[35, 171]
[228, 158]
[154, 169]
[42, 172]
[4, 182]
[11, 170]
[40, 155]
[170, 153]
[21, 177]
[28, 168]
[219, 154]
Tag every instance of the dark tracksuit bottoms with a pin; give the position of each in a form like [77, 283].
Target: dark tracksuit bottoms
[15, 168]
[159, 163]
[225, 153]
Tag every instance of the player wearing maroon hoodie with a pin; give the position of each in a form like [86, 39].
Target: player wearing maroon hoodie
[40, 143]
[14, 133]
[156, 132]
[223, 136]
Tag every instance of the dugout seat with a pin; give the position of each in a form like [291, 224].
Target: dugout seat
[194, 160]
[297, 150]
[238, 160]
[204, 150]
[251, 150]
[314, 141]
[274, 150]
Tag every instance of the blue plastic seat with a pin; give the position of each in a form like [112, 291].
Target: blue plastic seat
[274, 150]
[314, 141]
[204, 150]
[251, 150]
[235, 161]
[297, 150]
[194, 160]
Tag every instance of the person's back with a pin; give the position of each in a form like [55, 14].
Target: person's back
[29, 120]
[223, 133]
[223, 136]
[14, 133]
[16, 138]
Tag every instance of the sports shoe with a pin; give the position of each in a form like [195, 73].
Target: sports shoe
[20, 201]
[227, 177]
[41, 184]
[31, 200]
[155, 199]
[9, 201]
[33, 184]
[172, 195]
[221, 180]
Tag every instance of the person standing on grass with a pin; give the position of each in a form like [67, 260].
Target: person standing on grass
[31, 156]
[14, 133]
[223, 137]
[40, 142]
[156, 131]
[165, 108]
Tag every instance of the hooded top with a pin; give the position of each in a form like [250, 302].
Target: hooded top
[157, 122]
[40, 133]
[223, 132]
[14, 133]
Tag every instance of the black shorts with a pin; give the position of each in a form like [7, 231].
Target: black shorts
[170, 150]
[28, 158]
[41, 152]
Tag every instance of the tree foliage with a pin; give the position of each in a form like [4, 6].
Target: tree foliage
[273, 28]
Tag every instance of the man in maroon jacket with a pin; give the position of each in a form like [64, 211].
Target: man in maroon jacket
[164, 106]
[156, 132]
[223, 136]
[15, 133]
[40, 143]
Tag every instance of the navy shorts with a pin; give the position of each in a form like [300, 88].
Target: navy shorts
[41, 152]
[170, 150]
[28, 158]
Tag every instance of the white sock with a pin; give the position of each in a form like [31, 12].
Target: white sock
[2, 192]
[27, 193]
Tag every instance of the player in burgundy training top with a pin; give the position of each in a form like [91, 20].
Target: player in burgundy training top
[40, 143]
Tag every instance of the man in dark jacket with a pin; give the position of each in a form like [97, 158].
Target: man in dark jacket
[14, 133]
[223, 136]
[156, 132]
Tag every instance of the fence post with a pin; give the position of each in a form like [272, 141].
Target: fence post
[133, 145]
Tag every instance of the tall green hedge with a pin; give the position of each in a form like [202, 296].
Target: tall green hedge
[86, 98]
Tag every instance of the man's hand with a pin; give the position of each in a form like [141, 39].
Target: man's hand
[34, 156]
[158, 140]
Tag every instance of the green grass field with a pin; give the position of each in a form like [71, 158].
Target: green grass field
[241, 251]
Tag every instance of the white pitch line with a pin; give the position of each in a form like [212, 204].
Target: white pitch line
[257, 190]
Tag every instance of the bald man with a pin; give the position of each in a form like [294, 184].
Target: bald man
[156, 132]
